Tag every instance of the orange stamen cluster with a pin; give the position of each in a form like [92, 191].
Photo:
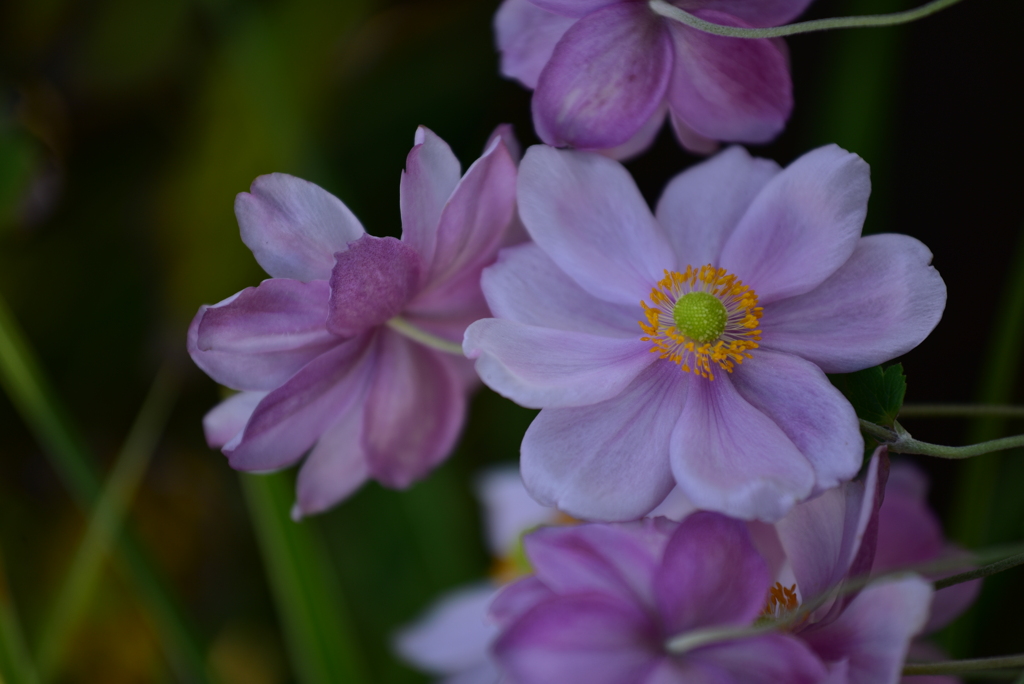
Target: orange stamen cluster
[740, 334]
[781, 600]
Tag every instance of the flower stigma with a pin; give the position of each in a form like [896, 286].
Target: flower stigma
[702, 316]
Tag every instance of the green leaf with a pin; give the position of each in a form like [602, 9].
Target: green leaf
[876, 393]
[309, 602]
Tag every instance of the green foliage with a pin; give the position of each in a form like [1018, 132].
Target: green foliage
[876, 393]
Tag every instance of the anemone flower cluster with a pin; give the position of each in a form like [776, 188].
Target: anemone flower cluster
[606, 72]
[689, 348]
[336, 354]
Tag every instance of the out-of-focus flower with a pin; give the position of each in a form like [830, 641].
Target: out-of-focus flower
[606, 598]
[606, 72]
[329, 353]
[909, 533]
[453, 638]
[755, 279]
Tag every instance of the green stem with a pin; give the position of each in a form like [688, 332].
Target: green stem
[29, 391]
[899, 441]
[955, 667]
[319, 637]
[399, 324]
[15, 664]
[960, 410]
[983, 571]
[873, 20]
[105, 523]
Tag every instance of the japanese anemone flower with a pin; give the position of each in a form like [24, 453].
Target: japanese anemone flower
[690, 348]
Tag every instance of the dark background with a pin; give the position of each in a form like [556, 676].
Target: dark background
[126, 129]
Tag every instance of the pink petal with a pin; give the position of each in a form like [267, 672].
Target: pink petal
[473, 221]
[225, 420]
[802, 227]
[414, 411]
[260, 337]
[575, 205]
[879, 305]
[526, 36]
[710, 575]
[758, 12]
[334, 469]
[730, 89]
[874, 632]
[430, 176]
[641, 140]
[573, 8]
[591, 639]
[547, 368]
[701, 207]
[608, 461]
[606, 78]
[769, 659]
[514, 600]
[506, 133]
[294, 227]
[691, 140]
[371, 283]
[509, 510]
[614, 560]
[290, 419]
[813, 414]
[728, 456]
[453, 636]
[526, 286]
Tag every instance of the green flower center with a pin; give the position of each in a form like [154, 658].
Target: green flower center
[701, 316]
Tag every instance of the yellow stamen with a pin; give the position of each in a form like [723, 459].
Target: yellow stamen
[729, 347]
[781, 600]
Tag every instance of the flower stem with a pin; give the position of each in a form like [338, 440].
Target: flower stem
[400, 325]
[899, 441]
[953, 667]
[983, 571]
[960, 410]
[871, 20]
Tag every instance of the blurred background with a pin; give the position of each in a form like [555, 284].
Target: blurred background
[127, 128]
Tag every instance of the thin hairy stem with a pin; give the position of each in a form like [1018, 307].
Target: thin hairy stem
[954, 667]
[871, 20]
[983, 571]
[960, 411]
[899, 441]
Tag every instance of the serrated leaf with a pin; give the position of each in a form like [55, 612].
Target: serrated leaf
[876, 393]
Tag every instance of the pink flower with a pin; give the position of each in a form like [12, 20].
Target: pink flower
[749, 284]
[326, 353]
[605, 72]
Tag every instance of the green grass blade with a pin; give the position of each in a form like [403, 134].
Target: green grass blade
[23, 381]
[309, 603]
[15, 665]
[105, 523]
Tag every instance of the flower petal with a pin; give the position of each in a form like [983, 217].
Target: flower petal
[607, 461]
[701, 207]
[371, 283]
[691, 140]
[816, 417]
[710, 575]
[509, 510]
[453, 635]
[729, 88]
[430, 176]
[414, 411]
[764, 660]
[803, 225]
[641, 140]
[613, 560]
[291, 418]
[294, 227]
[573, 8]
[586, 213]
[823, 537]
[526, 286]
[759, 12]
[874, 632]
[260, 337]
[526, 36]
[473, 221]
[728, 456]
[547, 368]
[225, 420]
[592, 639]
[335, 467]
[606, 77]
[879, 305]
[517, 598]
